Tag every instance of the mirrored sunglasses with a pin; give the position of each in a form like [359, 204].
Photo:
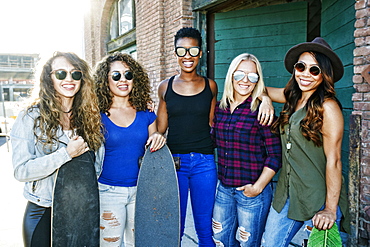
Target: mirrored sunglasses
[116, 76]
[239, 75]
[301, 66]
[193, 51]
[61, 74]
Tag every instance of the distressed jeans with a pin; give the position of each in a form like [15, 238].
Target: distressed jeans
[198, 175]
[117, 215]
[239, 220]
[280, 230]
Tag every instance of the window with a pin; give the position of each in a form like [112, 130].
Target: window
[122, 18]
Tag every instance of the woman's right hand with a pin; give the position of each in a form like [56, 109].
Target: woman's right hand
[77, 146]
[266, 111]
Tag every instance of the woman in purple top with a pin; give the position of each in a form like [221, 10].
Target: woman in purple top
[249, 155]
[123, 90]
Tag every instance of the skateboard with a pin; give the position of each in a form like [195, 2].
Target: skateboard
[75, 210]
[157, 209]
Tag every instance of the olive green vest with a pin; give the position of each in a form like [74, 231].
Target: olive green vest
[302, 176]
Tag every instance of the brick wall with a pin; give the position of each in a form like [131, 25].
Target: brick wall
[156, 24]
[361, 106]
[96, 30]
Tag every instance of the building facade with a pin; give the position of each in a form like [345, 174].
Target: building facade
[16, 80]
[145, 29]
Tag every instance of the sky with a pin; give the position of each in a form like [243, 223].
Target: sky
[42, 26]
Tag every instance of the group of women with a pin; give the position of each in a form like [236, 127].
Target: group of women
[111, 114]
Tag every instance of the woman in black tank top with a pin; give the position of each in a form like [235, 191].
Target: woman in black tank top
[186, 110]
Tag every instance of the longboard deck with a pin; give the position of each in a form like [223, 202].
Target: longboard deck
[75, 211]
[157, 214]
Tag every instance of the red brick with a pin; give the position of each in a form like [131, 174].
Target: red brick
[357, 97]
[361, 51]
[360, 4]
[362, 13]
[361, 41]
[360, 23]
[357, 79]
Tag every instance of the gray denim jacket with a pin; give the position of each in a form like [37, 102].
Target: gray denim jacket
[36, 167]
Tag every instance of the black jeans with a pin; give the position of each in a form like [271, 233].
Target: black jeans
[37, 226]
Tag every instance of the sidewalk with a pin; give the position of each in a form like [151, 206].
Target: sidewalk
[13, 203]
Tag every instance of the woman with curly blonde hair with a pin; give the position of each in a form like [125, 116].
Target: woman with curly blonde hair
[123, 90]
[63, 122]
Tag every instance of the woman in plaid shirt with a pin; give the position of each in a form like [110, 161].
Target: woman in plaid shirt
[249, 155]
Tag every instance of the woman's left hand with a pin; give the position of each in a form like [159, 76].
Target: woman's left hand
[151, 106]
[250, 190]
[266, 111]
[324, 219]
[156, 141]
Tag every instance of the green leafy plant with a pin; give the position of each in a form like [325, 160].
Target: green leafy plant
[325, 238]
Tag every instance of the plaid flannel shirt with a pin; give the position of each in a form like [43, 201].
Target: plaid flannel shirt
[244, 147]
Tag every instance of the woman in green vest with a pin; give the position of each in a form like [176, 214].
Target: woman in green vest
[310, 190]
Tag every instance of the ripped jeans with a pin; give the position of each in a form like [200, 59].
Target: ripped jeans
[280, 229]
[117, 215]
[239, 220]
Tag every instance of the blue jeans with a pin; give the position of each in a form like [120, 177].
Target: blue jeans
[280, 230]
[239, 220]
[117, 213]
[198, 175]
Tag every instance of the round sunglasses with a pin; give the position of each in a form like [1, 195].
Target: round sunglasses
[116, 76]
[301, 66]
[61, 74]
[193, 51]
[239, 75]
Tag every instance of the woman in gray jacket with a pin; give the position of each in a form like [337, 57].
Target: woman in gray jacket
[63, 122]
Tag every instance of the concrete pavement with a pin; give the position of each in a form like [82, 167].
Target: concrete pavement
[12, 202]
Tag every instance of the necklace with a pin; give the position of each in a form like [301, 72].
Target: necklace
[288, 144]
[68, 111]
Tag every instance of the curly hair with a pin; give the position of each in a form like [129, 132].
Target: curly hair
[189, 32]
[139, 97]
[85, 118]
[311, 124]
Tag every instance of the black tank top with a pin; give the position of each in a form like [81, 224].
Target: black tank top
[188, 121]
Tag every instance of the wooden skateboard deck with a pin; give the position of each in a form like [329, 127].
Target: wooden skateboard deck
[75, 210]
[157, 214]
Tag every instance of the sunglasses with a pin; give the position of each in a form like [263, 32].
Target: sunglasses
[61, 74]
[116, 76]
[301, 66]
[193, 51]
[239, 75]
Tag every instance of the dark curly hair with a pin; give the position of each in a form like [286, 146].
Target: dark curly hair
[311, 124]
[189, 32]
[85, 117]
[139, 97]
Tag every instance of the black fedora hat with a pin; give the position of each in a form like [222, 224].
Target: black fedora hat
[316, 45]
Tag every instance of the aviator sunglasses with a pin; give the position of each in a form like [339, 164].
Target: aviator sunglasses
[239, 75]
[61, 74]
[301, 66]
[193, 51]
[116, 76]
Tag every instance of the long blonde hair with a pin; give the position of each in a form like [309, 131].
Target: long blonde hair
[228, 95]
